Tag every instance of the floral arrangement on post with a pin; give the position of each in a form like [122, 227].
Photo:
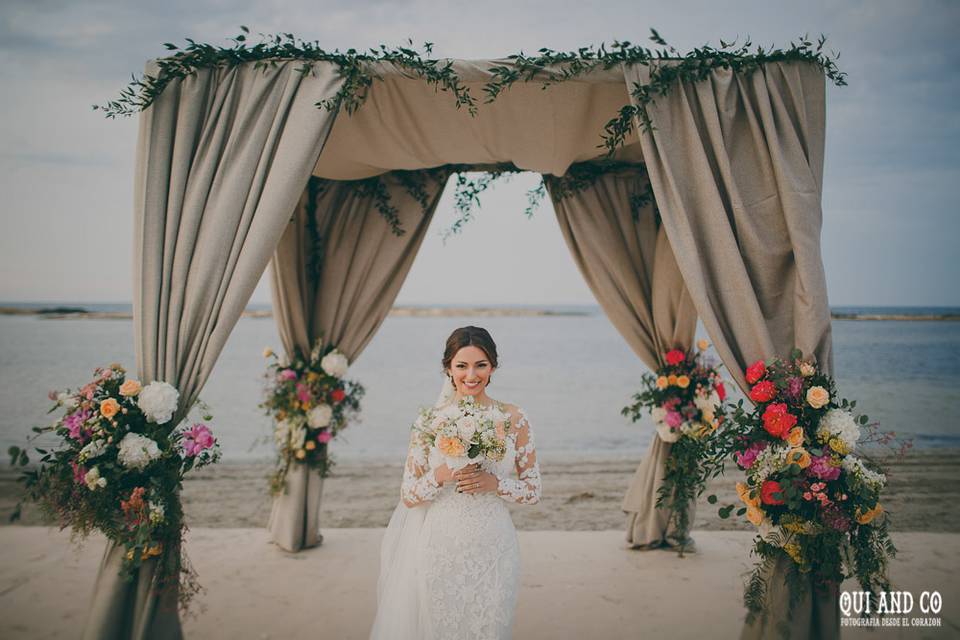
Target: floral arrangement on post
[811, 498]
[683, 398]
[119, 469]
[310, 403]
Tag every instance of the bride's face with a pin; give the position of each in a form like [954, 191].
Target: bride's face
[471, 370]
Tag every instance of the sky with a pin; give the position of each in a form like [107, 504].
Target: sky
[892, 165]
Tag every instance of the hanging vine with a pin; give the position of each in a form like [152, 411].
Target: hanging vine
[360, 70]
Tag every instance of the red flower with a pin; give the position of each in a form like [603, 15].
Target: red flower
[767, 490]
[338, 395]
[777, 420]
[675, 357]
[756, 371]
[764, 391]
[721, 391]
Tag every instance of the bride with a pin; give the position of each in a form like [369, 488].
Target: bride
[450, 561]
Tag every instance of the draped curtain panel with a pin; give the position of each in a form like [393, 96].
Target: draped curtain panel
[630, 268]
[222, 157]
[736, 164]
[360, 268]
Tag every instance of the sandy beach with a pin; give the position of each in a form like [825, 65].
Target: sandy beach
[923, 491]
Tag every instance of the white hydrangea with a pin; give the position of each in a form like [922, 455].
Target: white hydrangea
[658, 414]
[158, 401]
[94, 449]
[770, 460]
[666, 433]
[136, 451]
[842, 425]
[855, 467]
[93, 480]
[319, 416]
[335, 364]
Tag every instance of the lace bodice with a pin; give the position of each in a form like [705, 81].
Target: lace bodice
[518, 472]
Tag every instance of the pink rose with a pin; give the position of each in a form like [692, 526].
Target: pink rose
[324, 437]
[287, 374]
[674, 419]
[820, 467]
[303, 392]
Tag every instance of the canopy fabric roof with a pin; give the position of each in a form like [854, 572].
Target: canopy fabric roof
[407, 124]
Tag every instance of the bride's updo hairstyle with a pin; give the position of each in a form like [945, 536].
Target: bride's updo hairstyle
[470, 337]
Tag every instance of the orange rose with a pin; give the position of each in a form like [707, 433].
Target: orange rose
[817, 397]
[672, 379]
[109, 408]
[799, 457]
[301, 454]
[310, 445]
[662, 382]
[702, 344]
[755, 516]
[683, 382]
[450, 446]
[743, 490]
[865, 518]
[130, 388]
[795, 437]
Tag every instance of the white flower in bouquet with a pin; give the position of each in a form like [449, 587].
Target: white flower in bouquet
[666, 433]
[136, 451]
[855, 467]
[319, 416]
[467, 428]
[93, 449]
[840, 424]
[158, 401]
[658, 414]
[335, 364]
[707, 402]
[156, 512]
[93, 480]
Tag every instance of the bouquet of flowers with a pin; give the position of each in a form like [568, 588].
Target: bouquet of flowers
[683, 398]
[118, 468]
[812, 498]
[310, 403]
[465, 433]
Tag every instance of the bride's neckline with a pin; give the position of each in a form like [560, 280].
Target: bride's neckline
[493, 403]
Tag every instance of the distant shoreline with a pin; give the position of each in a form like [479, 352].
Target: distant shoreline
[82, 313]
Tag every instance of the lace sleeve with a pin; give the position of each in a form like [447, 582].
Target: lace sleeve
[419, 484]
[526, 489]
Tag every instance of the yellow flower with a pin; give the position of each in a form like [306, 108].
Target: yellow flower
[311, 445]
[807, 369]
[799, 457]
[793, 550]
[702, 344]
[109, 408]
[683, 382]
[313, 376]
[743, 490]
[795, 437]
[708, 417]
[837, 445]
[267, 352]
[754, 515]
[672, 379]
[866, 517]
[662, 382]
[301, 454]
[817, 397]
[130, 388]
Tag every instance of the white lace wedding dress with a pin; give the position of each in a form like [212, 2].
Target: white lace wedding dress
[450, 566]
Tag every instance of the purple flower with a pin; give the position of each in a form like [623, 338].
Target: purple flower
[196, 440]
[836, 519]
[820, 467]
[747, 457]
[287, 374]
[74, 424]
[674, 419]
[794, 388]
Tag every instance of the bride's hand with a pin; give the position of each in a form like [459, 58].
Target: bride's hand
[443, 474]
[471, 479]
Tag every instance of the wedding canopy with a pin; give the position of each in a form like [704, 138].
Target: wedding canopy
[734, 156]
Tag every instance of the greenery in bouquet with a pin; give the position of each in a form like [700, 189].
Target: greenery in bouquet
[310, 404]
[464, 433]
[683, 397]
[810, 489]
[118, 468]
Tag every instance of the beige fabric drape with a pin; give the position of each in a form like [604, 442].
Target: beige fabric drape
[362, 269]
[736, 163]
[222, 158]
[631, 270]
